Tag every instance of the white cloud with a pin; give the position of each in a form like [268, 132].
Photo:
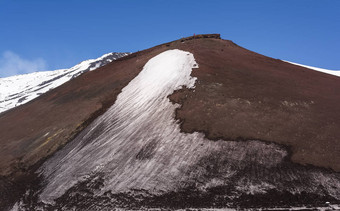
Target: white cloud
[13, 64]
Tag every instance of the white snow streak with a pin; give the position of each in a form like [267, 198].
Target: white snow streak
[331, 72]
[142, 113]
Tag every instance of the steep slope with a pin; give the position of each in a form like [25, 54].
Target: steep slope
[20, 89]
[246, 126]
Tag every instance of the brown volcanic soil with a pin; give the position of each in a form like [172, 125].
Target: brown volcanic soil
[239, 95]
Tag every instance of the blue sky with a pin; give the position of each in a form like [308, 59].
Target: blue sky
[46, 35]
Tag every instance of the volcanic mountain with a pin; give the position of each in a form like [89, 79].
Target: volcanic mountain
[195, 123]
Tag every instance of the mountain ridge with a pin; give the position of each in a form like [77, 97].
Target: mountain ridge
[20, 89]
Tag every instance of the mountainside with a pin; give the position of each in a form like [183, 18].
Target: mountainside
[20, 89]
[195, 123]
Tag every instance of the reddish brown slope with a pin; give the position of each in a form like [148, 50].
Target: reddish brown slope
[244, 95]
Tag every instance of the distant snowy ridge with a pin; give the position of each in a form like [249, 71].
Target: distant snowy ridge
[20, 89]
[331, 72]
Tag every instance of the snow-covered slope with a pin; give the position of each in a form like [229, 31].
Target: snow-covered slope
[331, 72]
[130, 123]
[20, 89]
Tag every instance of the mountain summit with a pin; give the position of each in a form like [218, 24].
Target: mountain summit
[199, 122]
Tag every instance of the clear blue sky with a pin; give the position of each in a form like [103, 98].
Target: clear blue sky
[46, 34]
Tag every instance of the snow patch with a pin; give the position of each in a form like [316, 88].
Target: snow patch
[142, 113]
[331, 72]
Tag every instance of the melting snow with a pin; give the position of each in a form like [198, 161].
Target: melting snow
[142, 113]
